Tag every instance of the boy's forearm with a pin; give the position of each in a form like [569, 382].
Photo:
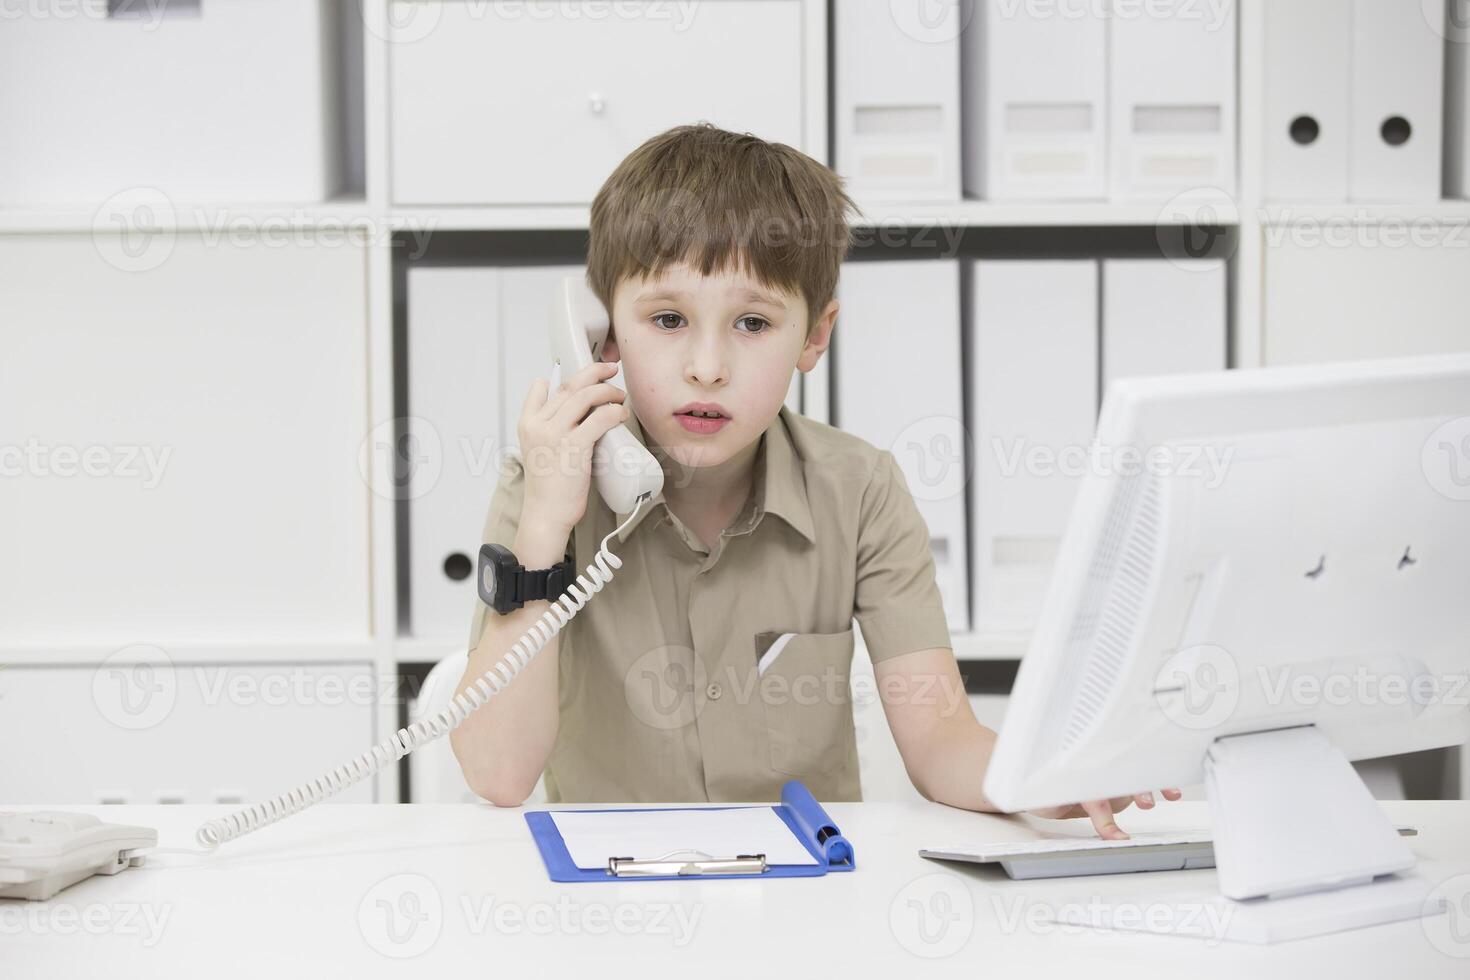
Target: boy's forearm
[503, 747]
[955, 764]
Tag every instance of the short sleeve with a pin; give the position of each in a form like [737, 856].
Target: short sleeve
[898, 604]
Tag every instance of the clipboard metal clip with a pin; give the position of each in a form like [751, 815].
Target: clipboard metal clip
[701, 864]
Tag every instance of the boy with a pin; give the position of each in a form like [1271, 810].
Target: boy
[714, 666]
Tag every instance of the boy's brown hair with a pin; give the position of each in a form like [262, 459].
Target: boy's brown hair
[713, 198]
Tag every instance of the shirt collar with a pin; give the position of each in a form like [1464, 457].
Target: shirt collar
[780, 484]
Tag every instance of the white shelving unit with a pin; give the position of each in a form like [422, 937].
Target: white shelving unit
[370, 212]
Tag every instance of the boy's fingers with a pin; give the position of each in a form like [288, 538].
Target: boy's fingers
[1145, 801]
[588, 375]
[1172, 794]
[535, 396]
[1101, 812]
[578, 404]
[602, 419]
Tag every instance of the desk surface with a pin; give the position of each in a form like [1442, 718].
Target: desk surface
[353, 890]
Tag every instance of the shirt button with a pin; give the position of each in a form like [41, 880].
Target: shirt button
[714, 691]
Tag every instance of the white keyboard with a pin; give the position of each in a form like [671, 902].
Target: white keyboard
[1058, 857]
[44, 851]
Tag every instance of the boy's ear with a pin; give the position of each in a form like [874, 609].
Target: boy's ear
[609, 353]
[819, 338]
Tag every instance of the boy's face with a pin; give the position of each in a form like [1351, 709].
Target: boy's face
[722, 339]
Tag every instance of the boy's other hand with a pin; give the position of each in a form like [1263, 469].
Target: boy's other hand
[557, 431]
[1101, 811]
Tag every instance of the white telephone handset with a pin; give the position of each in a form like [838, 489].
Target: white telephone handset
[623, 469]
[628, 477]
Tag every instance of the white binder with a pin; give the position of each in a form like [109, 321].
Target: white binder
[1171, 98]
[476, 340]
[898, 384]
[1308, 52]
[897, 102]
[1033, 373]
[1397, 101]
[1162, 317]
[1035, 115]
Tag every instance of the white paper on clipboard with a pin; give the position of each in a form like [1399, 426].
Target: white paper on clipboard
[593, 836]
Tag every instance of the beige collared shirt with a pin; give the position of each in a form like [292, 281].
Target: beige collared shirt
[678, 681]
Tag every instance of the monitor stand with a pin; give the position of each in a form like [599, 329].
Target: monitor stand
[1301, 849]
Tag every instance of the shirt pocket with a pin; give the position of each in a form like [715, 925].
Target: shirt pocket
[805, 690]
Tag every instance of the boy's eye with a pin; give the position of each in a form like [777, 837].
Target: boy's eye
[662, 319]
[756, 323]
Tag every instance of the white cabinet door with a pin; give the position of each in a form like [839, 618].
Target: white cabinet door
[142, 728]
[181, 442]
[234, 101]
[536, 103]
[1345, 291]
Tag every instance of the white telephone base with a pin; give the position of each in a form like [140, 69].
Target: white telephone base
[44, 851]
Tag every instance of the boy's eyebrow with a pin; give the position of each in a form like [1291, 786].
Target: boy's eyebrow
[667, 296]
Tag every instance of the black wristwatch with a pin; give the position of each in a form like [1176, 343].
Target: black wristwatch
[506, 585]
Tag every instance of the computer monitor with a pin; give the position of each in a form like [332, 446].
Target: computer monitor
[1266, 574]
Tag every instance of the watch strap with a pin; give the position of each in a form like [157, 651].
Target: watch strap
[545, 583]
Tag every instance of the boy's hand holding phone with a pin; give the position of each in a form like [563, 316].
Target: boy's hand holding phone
[557, 432]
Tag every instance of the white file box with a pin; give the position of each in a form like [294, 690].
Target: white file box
[1308, 55]
[477, 339]
[1171, 98]
[237, 100]
[1397, 101]
[1035, 111]
[1162, 317]
[537, 103]
[200, 429]
[897, 103]
[1033, 377]
[898, 384]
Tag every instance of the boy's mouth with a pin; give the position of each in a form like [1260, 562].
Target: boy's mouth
[702, 418]
[707, 410]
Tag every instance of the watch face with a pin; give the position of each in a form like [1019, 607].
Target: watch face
[487, 573]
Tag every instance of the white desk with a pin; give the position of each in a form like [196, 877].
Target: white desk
[302, 898]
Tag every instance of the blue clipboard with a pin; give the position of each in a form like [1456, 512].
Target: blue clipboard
[799, 810]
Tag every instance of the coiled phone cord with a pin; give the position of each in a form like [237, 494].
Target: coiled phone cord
[216, 832]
